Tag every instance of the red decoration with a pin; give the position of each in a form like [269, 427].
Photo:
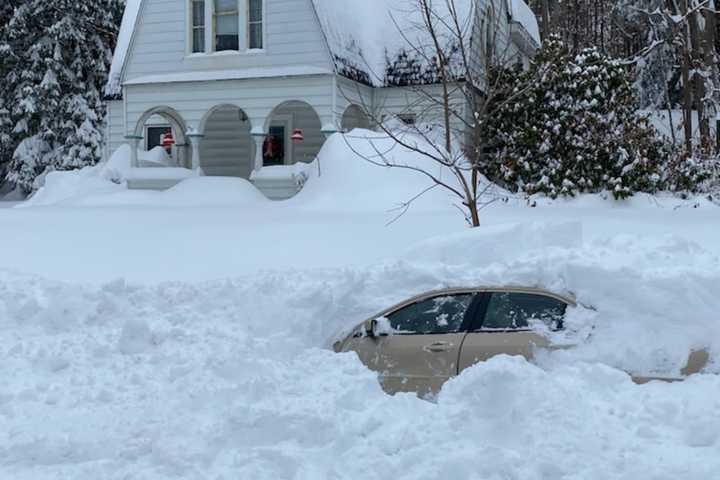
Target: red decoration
[297, 136]
[167, 140]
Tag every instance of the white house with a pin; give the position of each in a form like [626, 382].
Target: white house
[233, 80]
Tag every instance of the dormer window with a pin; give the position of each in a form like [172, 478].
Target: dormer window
[255, 24]
[227, 25]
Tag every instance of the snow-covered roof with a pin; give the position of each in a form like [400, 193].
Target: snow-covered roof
[521, 13]
[385, 42]
[114, 87]
[377, 42]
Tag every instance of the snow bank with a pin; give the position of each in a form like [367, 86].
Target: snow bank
[230, 378]
[346, 177]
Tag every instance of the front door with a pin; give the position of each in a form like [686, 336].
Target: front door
[505, 327]
[420, 347]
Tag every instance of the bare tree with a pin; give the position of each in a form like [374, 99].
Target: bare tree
[452, 109]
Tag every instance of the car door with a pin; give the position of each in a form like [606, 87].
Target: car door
[420, 349]
[503, 325]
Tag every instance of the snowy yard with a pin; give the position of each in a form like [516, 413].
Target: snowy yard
[185, 335]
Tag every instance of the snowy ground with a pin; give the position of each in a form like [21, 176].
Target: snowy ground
[185, 335]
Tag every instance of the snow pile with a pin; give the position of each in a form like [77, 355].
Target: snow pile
[233, 378]
[350, 175]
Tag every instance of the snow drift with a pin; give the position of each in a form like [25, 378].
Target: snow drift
[206, 380]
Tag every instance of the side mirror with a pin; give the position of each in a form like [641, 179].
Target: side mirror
[371, 328]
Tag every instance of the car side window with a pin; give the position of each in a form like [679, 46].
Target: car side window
[513, 311]
[441, 314]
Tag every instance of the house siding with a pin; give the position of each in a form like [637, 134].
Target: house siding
[114, 127]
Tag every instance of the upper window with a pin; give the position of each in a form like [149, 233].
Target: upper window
[443, 314]
[512, 311]
[255, 24]
[227, 25]
[198, 26]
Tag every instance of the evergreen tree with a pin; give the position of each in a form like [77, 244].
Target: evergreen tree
[56, 66]
[574, 129]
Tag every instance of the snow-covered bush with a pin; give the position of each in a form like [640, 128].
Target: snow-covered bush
[570, 125]
[54, 59]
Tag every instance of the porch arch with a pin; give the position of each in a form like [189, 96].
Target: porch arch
[354, 117]
[284, 119]
[227, 148]
[181, 151]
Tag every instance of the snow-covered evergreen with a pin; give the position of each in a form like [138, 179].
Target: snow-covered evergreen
[55, 58]
[573, 128]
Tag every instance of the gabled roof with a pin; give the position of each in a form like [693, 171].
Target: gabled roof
[376, 42]
[113, 88]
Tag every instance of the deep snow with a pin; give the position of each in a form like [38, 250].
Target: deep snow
[185, 334]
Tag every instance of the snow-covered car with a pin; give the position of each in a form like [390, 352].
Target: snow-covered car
[419, 344]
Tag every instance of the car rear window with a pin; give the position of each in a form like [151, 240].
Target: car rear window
[441, 314]
[511, 311]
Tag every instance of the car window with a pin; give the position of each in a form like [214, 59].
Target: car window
[510, 311]
[441, 314]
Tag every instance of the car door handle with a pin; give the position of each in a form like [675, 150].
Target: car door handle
[438, 347]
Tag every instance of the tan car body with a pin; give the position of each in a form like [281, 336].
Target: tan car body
[422, 363]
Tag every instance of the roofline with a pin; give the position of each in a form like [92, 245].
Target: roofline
[131, 45]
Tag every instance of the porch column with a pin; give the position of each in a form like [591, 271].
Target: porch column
[259, 139]
[195, 140]
[134, 141]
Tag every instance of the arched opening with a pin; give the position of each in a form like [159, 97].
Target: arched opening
[292, 118]
[164, 135]
[354, 117]
[226, 149]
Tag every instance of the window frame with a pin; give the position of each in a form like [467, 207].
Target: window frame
[468, 319]
[243, 13]
[478, 322]
[192, 27]
[248, 23]
[230, 13]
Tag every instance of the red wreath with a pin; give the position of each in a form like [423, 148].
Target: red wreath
[271, 147]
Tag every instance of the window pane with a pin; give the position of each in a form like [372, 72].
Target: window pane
[198, 40]
[226, 6]
[198, 13]
[444, 314]
[255, 11]
[227, 25]
[508, 311]
[256, 40]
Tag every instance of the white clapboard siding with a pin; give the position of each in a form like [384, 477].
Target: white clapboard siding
[227, 147]
[115, 129]
[257, 97]
[292, 38]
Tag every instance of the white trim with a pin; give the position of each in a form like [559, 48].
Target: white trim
[244, 74]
